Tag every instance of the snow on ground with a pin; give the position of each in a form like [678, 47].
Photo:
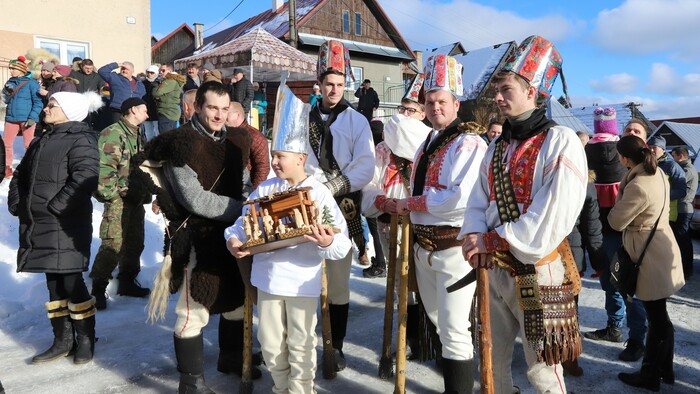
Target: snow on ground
[133, 356]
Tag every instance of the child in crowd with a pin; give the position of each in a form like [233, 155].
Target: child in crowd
[288, 280]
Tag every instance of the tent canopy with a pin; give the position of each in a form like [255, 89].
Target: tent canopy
[262, 55]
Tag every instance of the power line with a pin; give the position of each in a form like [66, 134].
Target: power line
[224, 18]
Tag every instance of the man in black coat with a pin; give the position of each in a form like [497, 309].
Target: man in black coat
[241, 90]
[369, 100]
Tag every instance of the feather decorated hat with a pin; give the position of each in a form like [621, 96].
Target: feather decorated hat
[443, 72]
[538, 62]
[333, 55]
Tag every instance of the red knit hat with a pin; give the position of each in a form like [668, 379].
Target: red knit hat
[63, 70]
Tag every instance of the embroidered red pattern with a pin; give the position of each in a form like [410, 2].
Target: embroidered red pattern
[418, 204]
[494, 242]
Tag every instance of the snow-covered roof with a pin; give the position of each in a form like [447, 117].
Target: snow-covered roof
[562, 116]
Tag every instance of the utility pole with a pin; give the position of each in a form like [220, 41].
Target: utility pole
[293, 39]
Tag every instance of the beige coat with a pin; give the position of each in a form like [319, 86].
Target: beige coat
[638, 205]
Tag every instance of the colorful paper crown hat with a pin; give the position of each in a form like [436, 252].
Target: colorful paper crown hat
[415, 91]
[333, 55]
[290, 130]
[539, 62]
[605, 121]
[443, 72]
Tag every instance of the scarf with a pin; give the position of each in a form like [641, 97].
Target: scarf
[204, 132]
[421, 169]
[320, 136]
[521, 130]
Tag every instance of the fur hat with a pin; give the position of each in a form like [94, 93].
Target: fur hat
[19, 64]
[604, 121]
[63, 70]
[76, 106]
[443, 72]
[658, 141]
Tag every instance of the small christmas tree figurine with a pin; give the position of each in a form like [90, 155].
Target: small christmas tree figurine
[326, 217]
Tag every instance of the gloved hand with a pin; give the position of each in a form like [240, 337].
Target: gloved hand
[29, 123]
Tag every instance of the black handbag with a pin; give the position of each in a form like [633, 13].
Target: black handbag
[624, 270]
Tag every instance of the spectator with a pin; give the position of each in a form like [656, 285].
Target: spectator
[260, 103]
[673, 171]
[315, 96]
[62, 82]
[643, 200]
[241, 90]
[151, 83]
[193, 80]
[685, 209]
[88, 79]
[46, 79]
[167, 98]
[213, 75]
[369, 100]
[24, 103]
[584, 137]
[494, 130]
[206, 69]
[75, 64]
[188, 108]
[121, 86]
[258, 167]
[51, 196]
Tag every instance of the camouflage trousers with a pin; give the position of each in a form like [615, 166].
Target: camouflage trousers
[122, 237]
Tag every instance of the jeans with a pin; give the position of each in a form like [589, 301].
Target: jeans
[680, 229]
[615, 304]
[150, 129]
[165, 124]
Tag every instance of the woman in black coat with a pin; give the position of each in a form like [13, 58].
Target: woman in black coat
[50, 194]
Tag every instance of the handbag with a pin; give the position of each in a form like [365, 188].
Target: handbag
[624, 270]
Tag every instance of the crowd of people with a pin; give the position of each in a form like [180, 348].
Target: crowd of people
[529, 200]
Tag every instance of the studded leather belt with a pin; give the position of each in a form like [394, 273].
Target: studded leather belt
[435, 238]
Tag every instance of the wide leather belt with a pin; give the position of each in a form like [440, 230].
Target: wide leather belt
[435, 238]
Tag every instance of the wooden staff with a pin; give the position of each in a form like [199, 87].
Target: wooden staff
[328, 356]
[246, 386]
[385, 364]
[482, 294]
[400, 385]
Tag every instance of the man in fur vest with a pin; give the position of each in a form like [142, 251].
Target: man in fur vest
[201, 194]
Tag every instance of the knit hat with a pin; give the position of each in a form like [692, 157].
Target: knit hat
[48, 66]
[63, 70]
[208, 66]
[604, 121]
[130, 103]
[333, 55]
[443, 72]
[76, 106]
[152, 69]
[657, 141]
[19, 64]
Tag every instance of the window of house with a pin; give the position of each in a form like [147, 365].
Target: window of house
[358, 24]
[358, 72]
[64, 49]
[346, 21]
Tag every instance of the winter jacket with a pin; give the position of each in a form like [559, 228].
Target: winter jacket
[50, 194]
[2, 158]
[691, 186]
[167, 96]
[120, 87]
[191, 84]
[151, 105]
[88, 82]
[26, 103]
[242, 92]
[117, 144]
[676, 177]
[641, 200]
[314, 98]
[259, 96]
[66, 84]
[369, 100]
[587, 235]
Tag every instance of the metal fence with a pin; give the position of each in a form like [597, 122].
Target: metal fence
[390, 95]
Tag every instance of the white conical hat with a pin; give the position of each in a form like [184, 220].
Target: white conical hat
[290, 131]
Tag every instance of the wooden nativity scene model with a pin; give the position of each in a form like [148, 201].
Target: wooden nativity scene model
[282, 219]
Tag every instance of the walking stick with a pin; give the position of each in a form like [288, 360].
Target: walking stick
[385, 367]
[246, 386]
[328, 357]
[400, 385]
[482, 290]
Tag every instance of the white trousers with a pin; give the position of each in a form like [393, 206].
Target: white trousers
[448, 311]
[191, 315]
[287, 335]
[338, 273]
[507, 321]
[384, 230]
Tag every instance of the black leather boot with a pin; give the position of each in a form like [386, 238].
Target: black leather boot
[99, 291]
[231, 349]
[648, 378]
[62, 333]
[458, 376]
[339, 325]
[83, 317]
[132, 288]
[667, 349]
[189, 353]
[412, 328]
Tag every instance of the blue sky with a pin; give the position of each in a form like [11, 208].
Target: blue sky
[645, 51]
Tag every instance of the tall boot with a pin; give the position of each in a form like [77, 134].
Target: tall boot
[458, 376]
[667, 349]
[339, 325]
[231, 348]
[62, 332]
[99, 291]
[412, 328]
[83, 317]
[648, 377]
[189, 353]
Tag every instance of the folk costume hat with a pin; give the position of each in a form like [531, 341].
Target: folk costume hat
[333, 55]
[415, 91]
[605, 121]
[538, 62]
[443, 72]
[290, 131]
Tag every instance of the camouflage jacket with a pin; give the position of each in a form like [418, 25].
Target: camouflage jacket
[117, 144]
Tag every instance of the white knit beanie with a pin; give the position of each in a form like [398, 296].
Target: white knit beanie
[76, 106]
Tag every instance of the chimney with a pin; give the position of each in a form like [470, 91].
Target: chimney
[276, 4]
[198, 35]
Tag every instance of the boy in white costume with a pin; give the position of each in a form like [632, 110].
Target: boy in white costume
[288, 280]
